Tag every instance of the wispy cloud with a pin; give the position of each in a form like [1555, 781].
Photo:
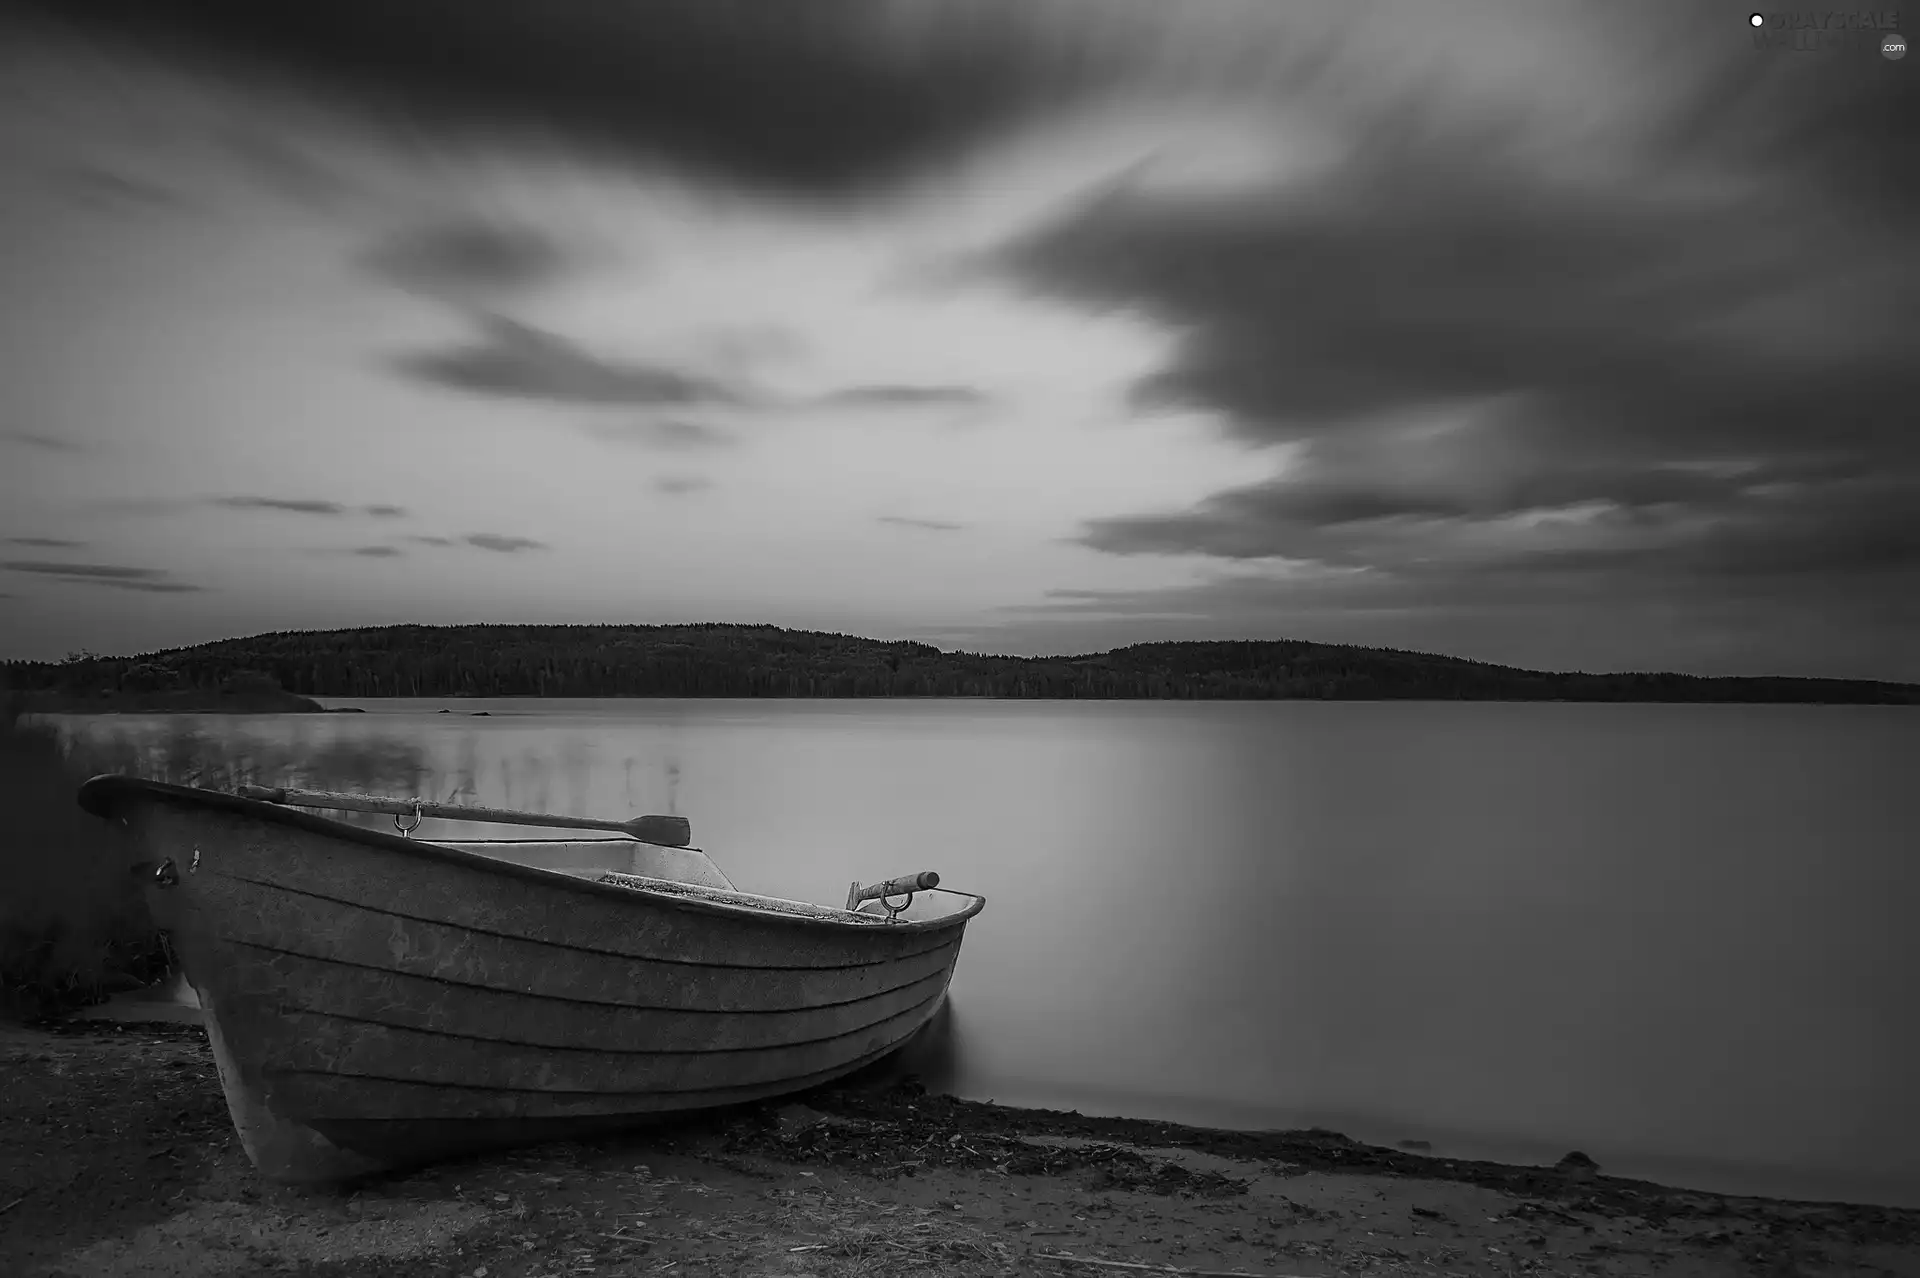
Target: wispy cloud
[681, 485]
[46, 443]
[468, 255]
[502, 544]
[905, 396]
[47, 543]
[518, 361]
[927, 525]
[498, 543]
[378, 552]
[292, 505]
[672, 435]
[305, 506]
[115, 576]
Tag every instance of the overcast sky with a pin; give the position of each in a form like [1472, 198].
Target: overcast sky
[1576, 336]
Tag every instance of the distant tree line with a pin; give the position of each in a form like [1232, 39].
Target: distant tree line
[718, 660]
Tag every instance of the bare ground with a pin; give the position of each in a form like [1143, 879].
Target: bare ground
[116, 1159]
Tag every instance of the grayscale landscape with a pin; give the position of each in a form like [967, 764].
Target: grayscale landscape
[1381, 539]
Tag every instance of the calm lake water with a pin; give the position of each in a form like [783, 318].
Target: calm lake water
[1680, 938]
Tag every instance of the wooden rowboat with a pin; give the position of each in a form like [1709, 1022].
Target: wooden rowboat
[377, 1001]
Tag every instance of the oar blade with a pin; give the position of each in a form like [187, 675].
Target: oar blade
[665, 831]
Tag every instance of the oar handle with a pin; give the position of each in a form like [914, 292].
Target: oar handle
[667, 831]
[906, 885]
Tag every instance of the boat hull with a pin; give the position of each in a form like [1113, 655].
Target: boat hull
[376, 1002]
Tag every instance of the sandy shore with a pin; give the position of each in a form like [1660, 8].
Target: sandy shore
[117, 1159]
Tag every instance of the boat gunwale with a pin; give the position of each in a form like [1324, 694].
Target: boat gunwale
[103, 796]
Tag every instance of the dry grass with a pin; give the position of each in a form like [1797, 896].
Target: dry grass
[931, 1247]
[851, 1237]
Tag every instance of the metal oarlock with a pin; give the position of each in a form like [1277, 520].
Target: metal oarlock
[906, 885]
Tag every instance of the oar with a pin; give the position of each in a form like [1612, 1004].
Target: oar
[665, 831]
[905, 885]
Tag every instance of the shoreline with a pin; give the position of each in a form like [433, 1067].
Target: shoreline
[172, 1001]
[119, 1159]
[187, 702]
[42, 701]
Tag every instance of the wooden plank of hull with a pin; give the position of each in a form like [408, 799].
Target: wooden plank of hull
[373, 1003]
[436, 1005]
[328, 1099]
[312, 1042]
[309, 1126]
[464, 1122]
[273, 921]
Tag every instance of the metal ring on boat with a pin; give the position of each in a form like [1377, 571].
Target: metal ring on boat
[406, 831]
[895, 910]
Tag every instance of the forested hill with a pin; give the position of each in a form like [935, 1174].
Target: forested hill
[765, 661]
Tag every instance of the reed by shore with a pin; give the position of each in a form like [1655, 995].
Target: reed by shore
[73, 928]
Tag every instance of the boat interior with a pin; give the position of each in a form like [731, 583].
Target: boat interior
[591, 858]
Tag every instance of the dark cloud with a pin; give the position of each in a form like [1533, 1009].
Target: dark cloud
[501, 544]
[1718, 581]
[294, 505]
[825, 98]
[893, 396]
[498, 543]
[45, 443]
[1500, 386]
[378, 552]
[925, 525]
[104, 571]
[305, 506]
[1446, 279]
[47, 543]
[520, 361]
[145, 587]
[1530, 615]
[116, 576]
[681, 485]
[470, 254]
[672, 435]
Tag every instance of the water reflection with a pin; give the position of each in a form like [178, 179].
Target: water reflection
[933, 1056]
[1675, 937]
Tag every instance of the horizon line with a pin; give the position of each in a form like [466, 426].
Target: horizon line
[960, 652]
